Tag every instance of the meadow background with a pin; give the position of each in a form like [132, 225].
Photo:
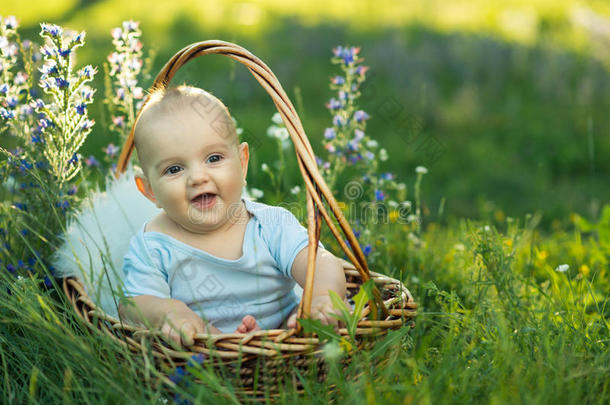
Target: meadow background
[506, 105]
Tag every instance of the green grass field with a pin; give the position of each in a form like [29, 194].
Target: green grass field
[506, 106]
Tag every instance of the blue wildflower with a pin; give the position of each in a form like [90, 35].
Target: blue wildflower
[36, 139]
[72, 190]
[339, 121]
[7, 114]
[81, 109]
[64, 53]
[338, 80]
[360, 116]
[51, 29]
[119, 121]
[47, 281]
[87, 72]
[4, 88]
[61, 82]
[11, 268]
[197, 358]
[20, 206]
[178, 375]
[12, 101]
[23, 232]
[88, 124]
[334, 104]
[111, 150]
[20, 264]
[31, 261]
[387, 176]
[73, 159]
[342, 95]
[379, 195]
[367, 250]
[356, 233]
[329, 133]
[319, 161]
[11, 23]
[92, 161]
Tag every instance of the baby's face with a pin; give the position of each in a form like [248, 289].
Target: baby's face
[195, 170]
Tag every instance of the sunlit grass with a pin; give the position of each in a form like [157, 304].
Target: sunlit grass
[516, 20]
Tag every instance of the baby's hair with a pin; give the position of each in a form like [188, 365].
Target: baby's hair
[162, 101]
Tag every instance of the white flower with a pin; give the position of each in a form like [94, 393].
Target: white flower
[282, 134]
[372, 144]
[421, 170]
[392, 204]
[265, 167]
[406, 204]
[277, 118]
[295, 190]
[411, 218]
[401, 186]
[239, 131]
[383, 155]
[459, 247]
[415, 279]
[562, 268]
[271, 131]
[332, 351]
[487, 228]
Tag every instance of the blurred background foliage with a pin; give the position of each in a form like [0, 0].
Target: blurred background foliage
[505, 102]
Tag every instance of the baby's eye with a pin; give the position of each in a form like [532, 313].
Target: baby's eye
[173, 169]
[215, 158]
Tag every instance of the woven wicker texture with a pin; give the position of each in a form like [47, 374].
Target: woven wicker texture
[391, 307]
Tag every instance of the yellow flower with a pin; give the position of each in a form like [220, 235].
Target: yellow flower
[542, 255]
[341, 205]
[509, 243]
[393, 216]
[584, 269]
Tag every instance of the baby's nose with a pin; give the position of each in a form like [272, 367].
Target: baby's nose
[198, 176]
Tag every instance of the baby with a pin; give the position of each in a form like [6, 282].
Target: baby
[211, 261]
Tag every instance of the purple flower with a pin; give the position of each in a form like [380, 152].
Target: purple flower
[338, 80]
[47, 281]
[12, 101]
[73, 159]
[119, 121]
[87, 125]
[358, 135]
[111, 150]
[64, 52]
[36, 139]
[334, 104]
[87, 94]
[329, 133]
[387, 176]
[369, 155]
[339, 121]
[361, 70]
[342, 95]
[38, 103]
[379, 195]
[330, 148]
[361, 116]
[4, 88]
[353, 145]
[11, 268]
[92, 161]
[72, 190]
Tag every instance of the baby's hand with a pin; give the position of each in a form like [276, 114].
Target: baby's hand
[181, 326]
[248, 324]
[321, 309]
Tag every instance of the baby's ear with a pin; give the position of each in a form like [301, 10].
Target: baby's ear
[244, 156]
[144, 187]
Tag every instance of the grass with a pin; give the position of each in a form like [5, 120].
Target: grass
[497, 323]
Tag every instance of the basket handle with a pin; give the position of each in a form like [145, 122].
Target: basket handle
[316, 187]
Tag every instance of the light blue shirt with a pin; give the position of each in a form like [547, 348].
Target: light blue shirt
[223, 291]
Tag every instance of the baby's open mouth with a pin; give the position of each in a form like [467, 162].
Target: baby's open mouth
[204, 200]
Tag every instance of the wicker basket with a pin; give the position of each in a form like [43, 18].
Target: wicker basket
[276, 351]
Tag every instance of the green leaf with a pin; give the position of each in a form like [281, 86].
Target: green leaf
[392, 338]
[324, 332]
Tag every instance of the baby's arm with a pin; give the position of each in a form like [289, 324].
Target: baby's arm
[176, 320]
[329, 276]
